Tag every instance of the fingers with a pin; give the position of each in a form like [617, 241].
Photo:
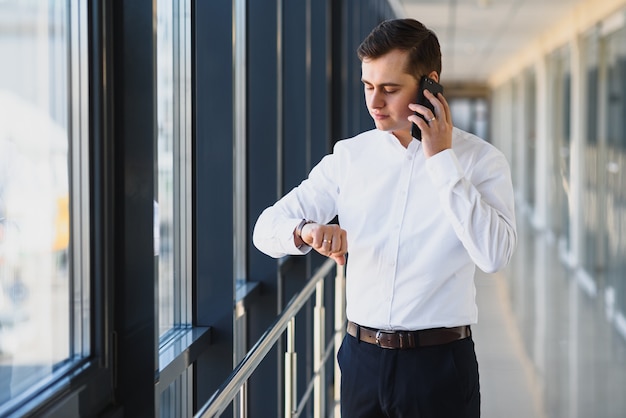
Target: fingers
[440, 109]
[441, 112]
[331, 241]
[339, 259]
[328, 240]
[437, 128]
[445, 108]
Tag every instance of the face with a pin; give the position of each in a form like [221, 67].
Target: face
[388, 92]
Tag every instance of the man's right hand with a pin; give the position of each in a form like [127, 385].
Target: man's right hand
[329, 240]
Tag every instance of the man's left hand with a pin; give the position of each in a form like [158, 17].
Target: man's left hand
[437, 128]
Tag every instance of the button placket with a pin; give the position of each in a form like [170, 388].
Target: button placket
[397, 216]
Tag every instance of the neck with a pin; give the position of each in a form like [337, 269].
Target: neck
[404, 137]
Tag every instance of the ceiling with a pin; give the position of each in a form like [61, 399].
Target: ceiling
[478, 36]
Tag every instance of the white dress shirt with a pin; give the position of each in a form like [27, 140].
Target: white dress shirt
[416, 227]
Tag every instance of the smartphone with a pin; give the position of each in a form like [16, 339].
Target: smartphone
[432, 86]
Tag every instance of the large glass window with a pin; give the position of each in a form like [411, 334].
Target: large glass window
[591, 186]
[471, 115]
[44, 259]
[530, 105]
[172, 197]
[518, 142]
[559, 187]
[172, 201]
[615, 53]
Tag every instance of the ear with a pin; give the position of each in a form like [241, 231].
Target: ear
[434, 75]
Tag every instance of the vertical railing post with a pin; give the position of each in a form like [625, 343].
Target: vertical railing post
[319, 344]
[290, 370]
[240, 175]
[240, 407]
[340, 324]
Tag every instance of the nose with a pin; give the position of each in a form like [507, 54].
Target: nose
[377, 99]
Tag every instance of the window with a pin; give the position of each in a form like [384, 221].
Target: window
[559, 186]
[591, 185]
[44, 282]
[615, 227]
[173, 196]
[173, 201]
[471, 114]
[530, 103]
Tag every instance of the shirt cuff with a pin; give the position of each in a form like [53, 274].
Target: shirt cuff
[444, 168]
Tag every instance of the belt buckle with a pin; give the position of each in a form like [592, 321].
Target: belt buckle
[379, 333]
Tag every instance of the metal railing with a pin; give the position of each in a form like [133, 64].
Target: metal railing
[322, 351]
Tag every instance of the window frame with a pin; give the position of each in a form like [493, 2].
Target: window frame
[82, 359]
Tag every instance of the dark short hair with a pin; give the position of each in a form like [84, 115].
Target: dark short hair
[405, 35]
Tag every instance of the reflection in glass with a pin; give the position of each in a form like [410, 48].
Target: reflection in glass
[559, 187]
[471, 115]
[591, 186]
[165, 166]
[175, 400]
[615, 53]
[35, 257]
[172, 200]
[530, 99]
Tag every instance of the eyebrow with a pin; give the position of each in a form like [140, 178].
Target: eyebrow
[389, 84]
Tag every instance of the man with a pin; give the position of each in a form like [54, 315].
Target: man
[417, 218]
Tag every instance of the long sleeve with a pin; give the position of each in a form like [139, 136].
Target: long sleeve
[479, 204]
[314, 199]
[273, 234]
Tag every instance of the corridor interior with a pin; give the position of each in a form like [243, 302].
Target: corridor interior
[546, 341]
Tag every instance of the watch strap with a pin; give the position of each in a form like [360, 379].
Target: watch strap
[300, 226]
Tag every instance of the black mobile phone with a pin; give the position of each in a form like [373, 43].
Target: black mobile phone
[432, 86]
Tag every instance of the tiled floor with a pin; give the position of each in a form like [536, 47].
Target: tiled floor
[544, 344]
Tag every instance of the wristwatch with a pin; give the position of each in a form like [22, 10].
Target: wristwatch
[300, 226]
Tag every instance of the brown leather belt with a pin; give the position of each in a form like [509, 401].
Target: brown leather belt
[408, 339]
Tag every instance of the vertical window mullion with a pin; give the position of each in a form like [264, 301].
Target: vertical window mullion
[81, 312]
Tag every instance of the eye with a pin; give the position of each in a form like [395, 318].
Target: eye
[390, 91]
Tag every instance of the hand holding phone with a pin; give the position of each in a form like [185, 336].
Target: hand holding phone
[435, 88]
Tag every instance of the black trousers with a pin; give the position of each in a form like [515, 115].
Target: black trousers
[426, 382]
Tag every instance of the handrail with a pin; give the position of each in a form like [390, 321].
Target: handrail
[220, 400]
